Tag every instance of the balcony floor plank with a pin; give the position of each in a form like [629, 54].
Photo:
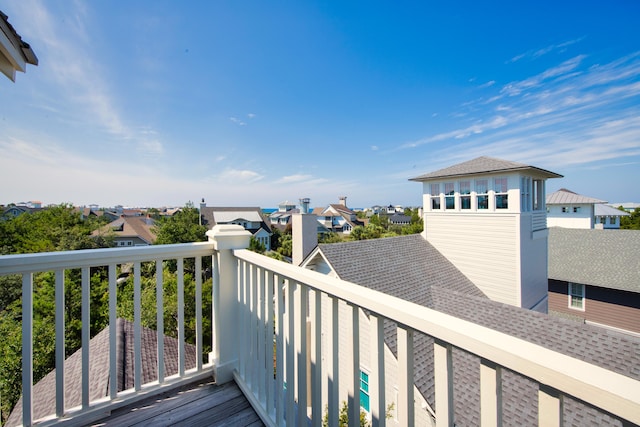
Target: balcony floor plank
[201, 403]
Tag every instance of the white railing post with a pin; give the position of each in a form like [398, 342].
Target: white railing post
[225, 347]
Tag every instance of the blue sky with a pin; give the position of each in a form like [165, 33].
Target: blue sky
[156, 103]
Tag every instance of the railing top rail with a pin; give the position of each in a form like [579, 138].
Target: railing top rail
[605, 389]
[47, 261]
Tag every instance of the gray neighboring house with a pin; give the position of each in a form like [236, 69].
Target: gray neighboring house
[44, 402]
[594, 276]
[409, 267]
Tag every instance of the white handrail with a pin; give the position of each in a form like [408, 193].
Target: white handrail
[28, 264]
[610, 391]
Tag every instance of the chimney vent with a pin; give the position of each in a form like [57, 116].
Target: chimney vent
[304, 205]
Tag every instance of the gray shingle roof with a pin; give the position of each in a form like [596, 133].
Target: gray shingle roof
[604, 258]
[44, 402]
[408, 267]
[564, 196]
[483, 165]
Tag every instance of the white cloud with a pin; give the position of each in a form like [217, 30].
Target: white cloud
[238, 176]
[237, 121]
[571, 114]
[293, 178]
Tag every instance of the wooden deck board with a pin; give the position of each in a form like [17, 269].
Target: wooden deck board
[197, 404]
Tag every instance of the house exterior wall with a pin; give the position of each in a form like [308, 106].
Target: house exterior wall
[503, 251]
[609, 307]
[533, 265]
[422, 416]
[583, 218]
[483, 247]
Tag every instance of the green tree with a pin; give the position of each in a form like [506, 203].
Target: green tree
[257, 246]
[630, 222]
[286, 245]
[330, 237]
[183, 227]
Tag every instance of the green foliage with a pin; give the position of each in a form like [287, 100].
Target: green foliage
[630, 222]
[370, 231]
[343, 417]
[58, 228]
[286, 245]
[275, 255]
[257, 246]
[330, 237]
[183, 227]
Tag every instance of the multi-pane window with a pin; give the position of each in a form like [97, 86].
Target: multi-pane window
[576, 296]
[435, 196]
[449, 195]
[501, 188]
[465, 194]
[364, 391]
[482, 191]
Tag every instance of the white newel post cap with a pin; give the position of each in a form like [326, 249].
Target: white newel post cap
[229, 236]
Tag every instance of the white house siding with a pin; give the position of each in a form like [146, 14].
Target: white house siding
[570, 219]
[483, 246]
[534, 272]
[422, 417]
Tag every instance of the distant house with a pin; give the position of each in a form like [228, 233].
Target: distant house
[571, 210]
[337, 218]
[281, 218]
[15, 53]
[129, 231]
[399, 219]
[250, 218]
[594, 276]
[45, 403]
[17, 210]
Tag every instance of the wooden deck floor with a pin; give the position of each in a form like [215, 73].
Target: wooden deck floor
[198, 404]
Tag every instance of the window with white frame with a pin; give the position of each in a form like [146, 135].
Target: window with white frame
[435, 196]
[576, 296]
[538, 195]
[501, 188]
[364, 391]
[449, 195]
[525, 194]
[482, 193]
[465, 194]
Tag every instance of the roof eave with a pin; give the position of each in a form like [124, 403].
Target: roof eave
[539, 171]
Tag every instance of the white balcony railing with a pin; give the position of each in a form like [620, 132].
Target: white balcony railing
[276, 332]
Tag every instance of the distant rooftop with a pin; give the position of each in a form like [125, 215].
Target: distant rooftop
[564, 196]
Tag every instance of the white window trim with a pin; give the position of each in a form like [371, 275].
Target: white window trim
[583, 297]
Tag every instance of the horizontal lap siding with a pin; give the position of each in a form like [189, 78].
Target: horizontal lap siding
[611, 307]
[484, 247]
